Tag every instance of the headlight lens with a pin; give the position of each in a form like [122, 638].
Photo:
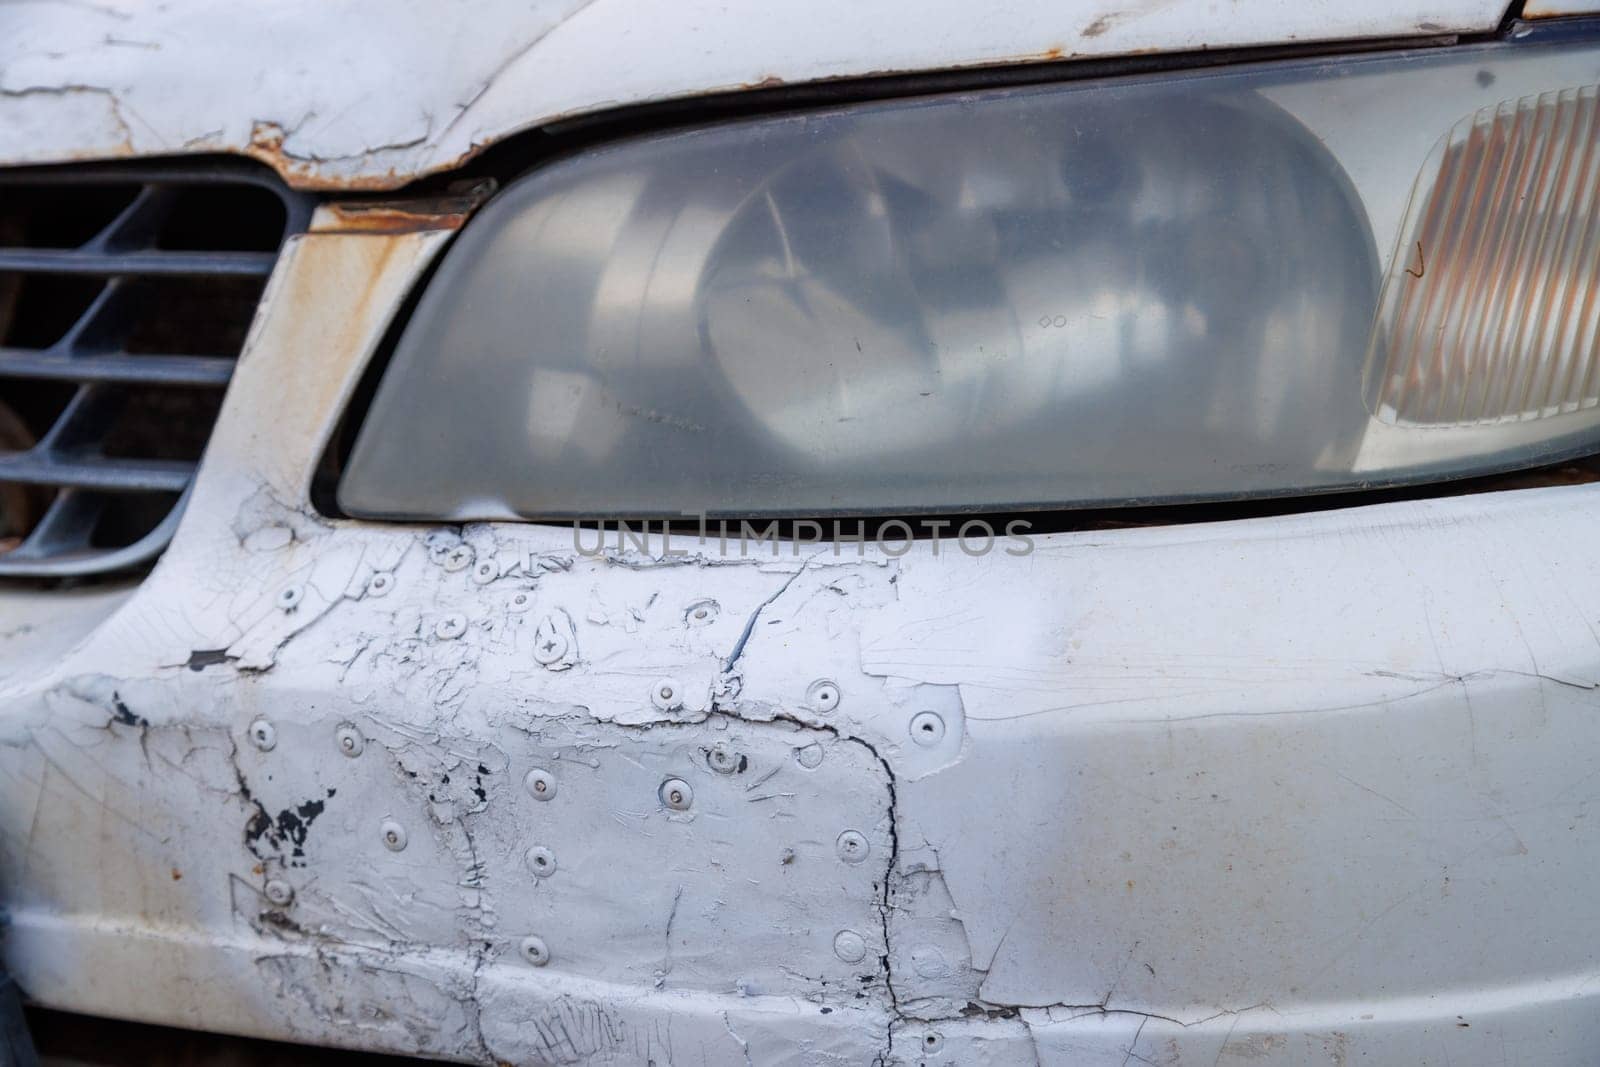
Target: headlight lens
[1260, 280]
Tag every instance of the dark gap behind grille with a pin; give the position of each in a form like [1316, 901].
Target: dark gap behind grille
[112, 365]
[46, 215]
[224, 218]
[204, 316]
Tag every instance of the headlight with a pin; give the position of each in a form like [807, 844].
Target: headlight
[1268, 279]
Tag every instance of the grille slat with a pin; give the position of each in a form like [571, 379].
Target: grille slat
[97, 472]
[81, 423]
[121, 264]
[139, 224]
[190, 371]
[65, 529]
[102, 324]
[125, 295]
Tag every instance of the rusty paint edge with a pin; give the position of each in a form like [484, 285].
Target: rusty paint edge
[389, 217]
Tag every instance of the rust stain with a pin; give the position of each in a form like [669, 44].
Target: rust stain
[771, 81]
[447, 212]
[266, 146]
[1055, 51]
[333, 262]
[177, 875]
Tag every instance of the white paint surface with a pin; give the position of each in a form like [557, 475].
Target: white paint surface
[373, 94]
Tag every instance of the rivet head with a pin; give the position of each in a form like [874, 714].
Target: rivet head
[485, 572]
[290, 597]
[534, 950]
[450, 627]
[541, 861]
[702, 613]
[394, 836]
[380, 584]
[540, 784]
[666, 695]
[927, 729]
[457, 557]
[349, 740]
[263, 735]
[676, 794]
[278, 892]
[932, 1041]
[852, 846]
[440, 542]
[723, 759]
[809, 757]
[519, 602]
[849, 946]
[549, 643]
[822, 695]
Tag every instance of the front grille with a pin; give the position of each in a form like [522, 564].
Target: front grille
[125, 296]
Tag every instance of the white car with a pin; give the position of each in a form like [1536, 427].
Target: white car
[806, 532]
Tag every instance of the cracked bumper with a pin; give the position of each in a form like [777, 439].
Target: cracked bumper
[1302, 789]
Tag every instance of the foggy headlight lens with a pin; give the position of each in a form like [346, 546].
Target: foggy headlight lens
[1260, 280]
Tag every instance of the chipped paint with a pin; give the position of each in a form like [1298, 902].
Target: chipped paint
[327, 110]
[388, 216]
[1210, 793]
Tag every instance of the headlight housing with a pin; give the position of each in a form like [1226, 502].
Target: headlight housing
[1266, 279]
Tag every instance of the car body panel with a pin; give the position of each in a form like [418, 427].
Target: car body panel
[374, 95]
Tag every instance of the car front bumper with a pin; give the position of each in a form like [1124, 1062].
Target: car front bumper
[1300, 789]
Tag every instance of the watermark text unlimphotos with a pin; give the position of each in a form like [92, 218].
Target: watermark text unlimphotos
[745, 539]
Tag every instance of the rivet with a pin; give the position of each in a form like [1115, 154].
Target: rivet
[450, 627]
[665, 695]
[380, 584]
[702, 612]
[927, 729]
[540, 784]
[458, 557]
[849, 946]
[723, 759]
[279, 892]
[290, 597]
[932, 1041]
[534, 950]
[822, 695]
[520, 602]
[852, 846]
[485, 572]
[676, 794]
[350, 740]
[809, 757]
[549, 645]
[541, 861]
[394, 836]
[264, 735]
